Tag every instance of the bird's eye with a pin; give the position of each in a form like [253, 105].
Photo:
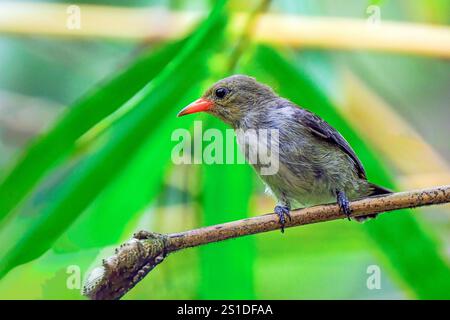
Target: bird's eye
[221, 92]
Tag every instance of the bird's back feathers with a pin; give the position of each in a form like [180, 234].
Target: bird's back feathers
[321, 129]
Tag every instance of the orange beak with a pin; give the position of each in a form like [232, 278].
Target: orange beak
[199, 105]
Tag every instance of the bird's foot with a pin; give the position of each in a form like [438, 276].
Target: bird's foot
[343, 203]
[282, 212]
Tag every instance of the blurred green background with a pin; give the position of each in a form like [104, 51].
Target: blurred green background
[86, 118]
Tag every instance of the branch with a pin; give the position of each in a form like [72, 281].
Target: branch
[134, 259]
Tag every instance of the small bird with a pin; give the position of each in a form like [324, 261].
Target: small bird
[316, 164]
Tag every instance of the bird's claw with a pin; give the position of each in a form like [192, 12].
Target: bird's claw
[344, 204]
[282, 212]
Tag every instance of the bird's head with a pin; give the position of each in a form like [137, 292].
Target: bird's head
[231, 99]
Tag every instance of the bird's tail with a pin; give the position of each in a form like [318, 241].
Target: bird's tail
[375, 190]
[378, 190]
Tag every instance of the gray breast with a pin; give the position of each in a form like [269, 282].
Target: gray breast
[309, 170]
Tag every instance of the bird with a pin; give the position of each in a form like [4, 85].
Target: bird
[316, 165]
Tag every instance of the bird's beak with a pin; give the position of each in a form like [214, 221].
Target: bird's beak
[196, 106]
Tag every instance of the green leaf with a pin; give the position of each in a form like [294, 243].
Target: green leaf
[102, 101]
[376, 2]
[130, 192]
[227, 268]
[52, 276]
[411, 251]
[157, 100]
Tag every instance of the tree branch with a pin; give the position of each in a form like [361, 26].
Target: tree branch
[134, 259]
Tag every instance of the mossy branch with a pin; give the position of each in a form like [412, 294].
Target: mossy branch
[134, 259]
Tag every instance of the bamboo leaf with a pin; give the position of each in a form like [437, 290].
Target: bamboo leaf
[130, 192]
[157, 100]
[227, 268]
[102, 101]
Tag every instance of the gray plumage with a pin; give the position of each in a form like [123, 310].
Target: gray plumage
[316, 164]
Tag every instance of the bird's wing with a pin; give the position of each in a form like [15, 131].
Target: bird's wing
[322, 130]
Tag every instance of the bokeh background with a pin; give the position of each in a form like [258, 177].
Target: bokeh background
[88, 101]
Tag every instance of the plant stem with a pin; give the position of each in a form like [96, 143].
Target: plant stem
[155, 24]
